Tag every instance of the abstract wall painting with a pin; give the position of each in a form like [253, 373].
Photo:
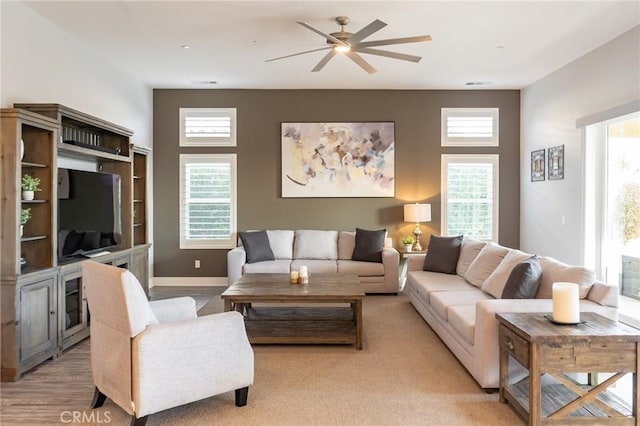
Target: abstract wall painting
[338, 159]
[556, 162]
[537, 165]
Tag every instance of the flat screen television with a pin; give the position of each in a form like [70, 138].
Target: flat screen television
[89, 212]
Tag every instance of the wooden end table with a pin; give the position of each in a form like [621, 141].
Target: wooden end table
[404, 265]
[598, 345]
[299, 324]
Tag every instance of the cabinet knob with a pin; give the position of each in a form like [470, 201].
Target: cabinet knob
[52, 312]
[510, 345]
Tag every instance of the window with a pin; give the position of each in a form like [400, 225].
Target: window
[469, 127]
[207, 201]
[207, 127]
[470, 195]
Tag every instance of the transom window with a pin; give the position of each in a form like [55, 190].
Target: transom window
[469, 127]
[207, 127]
[207, 201]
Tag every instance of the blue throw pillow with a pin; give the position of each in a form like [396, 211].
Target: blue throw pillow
[256, 245]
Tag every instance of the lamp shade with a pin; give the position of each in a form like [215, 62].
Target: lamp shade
[417, 212]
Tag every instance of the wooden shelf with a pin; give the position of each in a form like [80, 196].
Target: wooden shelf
[82, 152]
[33, 238]
[34, 201]
[35, 165]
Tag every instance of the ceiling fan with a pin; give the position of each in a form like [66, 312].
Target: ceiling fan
[351, 44]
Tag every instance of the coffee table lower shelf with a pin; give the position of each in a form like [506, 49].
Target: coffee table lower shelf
[300, 325]
[555, 395]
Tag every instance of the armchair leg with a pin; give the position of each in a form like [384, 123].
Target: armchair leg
[98, 398]
[241, 396]
[139, 422]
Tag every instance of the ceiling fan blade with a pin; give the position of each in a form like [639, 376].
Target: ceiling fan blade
[394, 55]
[376, 25]
[360, 61]
[296, 54]
[324, 61]
[402, 40]
[323, 34]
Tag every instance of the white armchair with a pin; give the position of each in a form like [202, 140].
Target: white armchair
[151, 356]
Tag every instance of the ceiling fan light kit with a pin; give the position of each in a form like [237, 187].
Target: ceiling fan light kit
[350, 44]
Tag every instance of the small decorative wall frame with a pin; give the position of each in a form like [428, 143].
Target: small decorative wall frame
[537, 165]
[556, 162]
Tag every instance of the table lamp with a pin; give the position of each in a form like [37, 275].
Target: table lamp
[417, 213]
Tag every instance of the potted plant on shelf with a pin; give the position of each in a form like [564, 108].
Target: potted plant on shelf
[30, 184]
[408, 242]
[25, 215]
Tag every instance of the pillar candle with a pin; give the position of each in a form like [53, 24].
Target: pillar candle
[303, 271]
[294, 277]
[566, 304]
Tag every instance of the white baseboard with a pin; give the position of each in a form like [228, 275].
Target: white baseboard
[189, 281]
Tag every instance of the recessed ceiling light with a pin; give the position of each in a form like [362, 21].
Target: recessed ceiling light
[186, 46]
[501, 47]
[477, 83]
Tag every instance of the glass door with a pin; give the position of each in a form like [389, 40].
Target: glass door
[620, 253]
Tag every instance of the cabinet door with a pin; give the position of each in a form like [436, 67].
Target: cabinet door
[37, 318]
[74, 315]
[140, 268]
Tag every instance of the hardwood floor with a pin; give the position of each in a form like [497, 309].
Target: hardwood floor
[56, 390]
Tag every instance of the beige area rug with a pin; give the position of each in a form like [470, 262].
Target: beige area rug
[403, 376]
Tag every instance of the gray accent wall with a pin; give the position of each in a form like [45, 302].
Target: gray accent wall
[416, 114]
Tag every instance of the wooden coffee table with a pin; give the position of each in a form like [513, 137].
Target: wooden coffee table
[299, 324]
[598, 345]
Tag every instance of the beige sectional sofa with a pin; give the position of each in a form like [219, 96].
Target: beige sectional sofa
[321, 251]
[461, 307]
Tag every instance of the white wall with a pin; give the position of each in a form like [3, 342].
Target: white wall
[602, 79]
[43, 63]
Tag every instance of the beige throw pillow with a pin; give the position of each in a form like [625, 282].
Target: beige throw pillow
[469, 251]
[485, 263]
[555, 271]
[495, 282]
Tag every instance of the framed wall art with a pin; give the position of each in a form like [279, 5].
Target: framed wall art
[338, 159]
[556, 162]
[537, 165]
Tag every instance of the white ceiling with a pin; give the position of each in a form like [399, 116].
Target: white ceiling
[230, 40]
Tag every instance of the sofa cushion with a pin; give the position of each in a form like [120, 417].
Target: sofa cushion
[369, 245]
[442, 254]
[524, 280]
[280, 266]
[440, 301]
[462, 318]
[468, 251]
[553, 271]
[315, 266]
[256, 244]
[281, 243]
[425, 282]
[363, 269]
[313, 244]
[485, 263]
[346, 244]
[496, 281]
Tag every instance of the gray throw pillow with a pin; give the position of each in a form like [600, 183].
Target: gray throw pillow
[524, 280]
[256, 245]
[442, 254]
[369, 245]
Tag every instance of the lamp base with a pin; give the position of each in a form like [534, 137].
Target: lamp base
[417, 233]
